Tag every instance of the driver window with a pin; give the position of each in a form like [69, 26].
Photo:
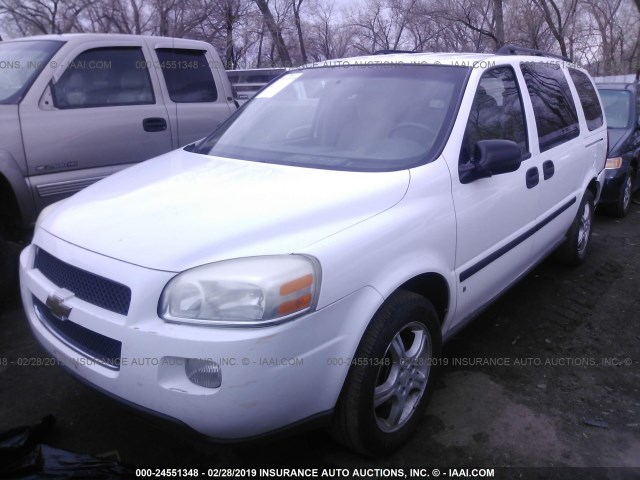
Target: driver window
[496, 113]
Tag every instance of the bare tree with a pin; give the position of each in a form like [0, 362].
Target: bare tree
[485, 18]
[44, 16]
[276, 33]
[296, 4]
[557, 21]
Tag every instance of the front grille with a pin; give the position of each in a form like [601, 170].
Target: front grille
[92, 288]
[103, 350]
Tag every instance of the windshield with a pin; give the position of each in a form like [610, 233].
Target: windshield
[361, 117]
[617, 106]
[20, 64]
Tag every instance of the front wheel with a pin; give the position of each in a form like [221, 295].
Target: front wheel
[391, 377]
[621, 207]
[574, 249]
[8, 271]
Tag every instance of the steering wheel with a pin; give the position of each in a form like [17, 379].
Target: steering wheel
[414, 131]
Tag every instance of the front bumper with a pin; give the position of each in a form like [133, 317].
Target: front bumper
[613, 183]
[271, 377]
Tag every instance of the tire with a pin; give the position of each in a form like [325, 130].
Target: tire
[395, 366]
[574, 249]
[9, 255]
[621, 207]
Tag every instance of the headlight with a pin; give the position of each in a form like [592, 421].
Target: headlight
[615, 162]
[245, 292]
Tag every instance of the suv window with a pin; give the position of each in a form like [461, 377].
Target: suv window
[188, 76]
[496, 113]
[103, 77]
[555, 112]
[588, 99]
[20, 64]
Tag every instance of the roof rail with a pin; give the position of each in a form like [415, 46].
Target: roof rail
[389, 52]
[516, 50]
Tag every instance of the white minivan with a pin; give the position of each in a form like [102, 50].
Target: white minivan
[308, 259]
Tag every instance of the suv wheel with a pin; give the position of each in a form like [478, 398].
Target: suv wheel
[391, 376]
[574, 249]
[621, 207]
[7, 277]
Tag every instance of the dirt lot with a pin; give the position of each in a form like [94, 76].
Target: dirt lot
[523, 383]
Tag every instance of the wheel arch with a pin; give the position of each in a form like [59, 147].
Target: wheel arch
[16, 201]
[434, 287]
[595, 187]
[10, 213]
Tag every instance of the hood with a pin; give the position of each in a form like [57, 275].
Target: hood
[182, 209]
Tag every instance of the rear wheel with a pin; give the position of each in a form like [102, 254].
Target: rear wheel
[391, 377]
[574, 249]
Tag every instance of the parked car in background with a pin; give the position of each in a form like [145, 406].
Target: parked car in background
[307, 260]
[621, 103]
[75, 108]
[247, 82]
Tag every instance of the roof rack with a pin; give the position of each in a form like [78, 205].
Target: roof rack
[516, 50]
[389, 52]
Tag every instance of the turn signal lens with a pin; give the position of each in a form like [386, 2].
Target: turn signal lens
[615, 162]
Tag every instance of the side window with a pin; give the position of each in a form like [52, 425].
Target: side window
[588, 99]
[103, 77]
[555, 112]
[188, 75]
[496, 113]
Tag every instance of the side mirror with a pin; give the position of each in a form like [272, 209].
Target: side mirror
[492, 157]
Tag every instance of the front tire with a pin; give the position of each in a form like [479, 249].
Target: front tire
[574, 249]
[8, 271]
[391, 378]
[621, 207]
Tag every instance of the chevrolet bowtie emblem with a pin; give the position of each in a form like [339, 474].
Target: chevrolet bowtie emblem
[56, 304]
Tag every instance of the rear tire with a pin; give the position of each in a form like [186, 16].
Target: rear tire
[391, 377]
[574, 249]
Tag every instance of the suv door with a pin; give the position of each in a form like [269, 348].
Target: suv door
[99, 114]
[493, 215]
[194, 91]
[564, 148]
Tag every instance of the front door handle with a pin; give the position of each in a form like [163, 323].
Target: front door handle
[154, 124]
[548, 169]
[533, 177]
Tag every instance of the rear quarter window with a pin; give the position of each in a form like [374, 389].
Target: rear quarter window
[588, 99]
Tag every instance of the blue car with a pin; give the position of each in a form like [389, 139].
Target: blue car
[621, 103]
